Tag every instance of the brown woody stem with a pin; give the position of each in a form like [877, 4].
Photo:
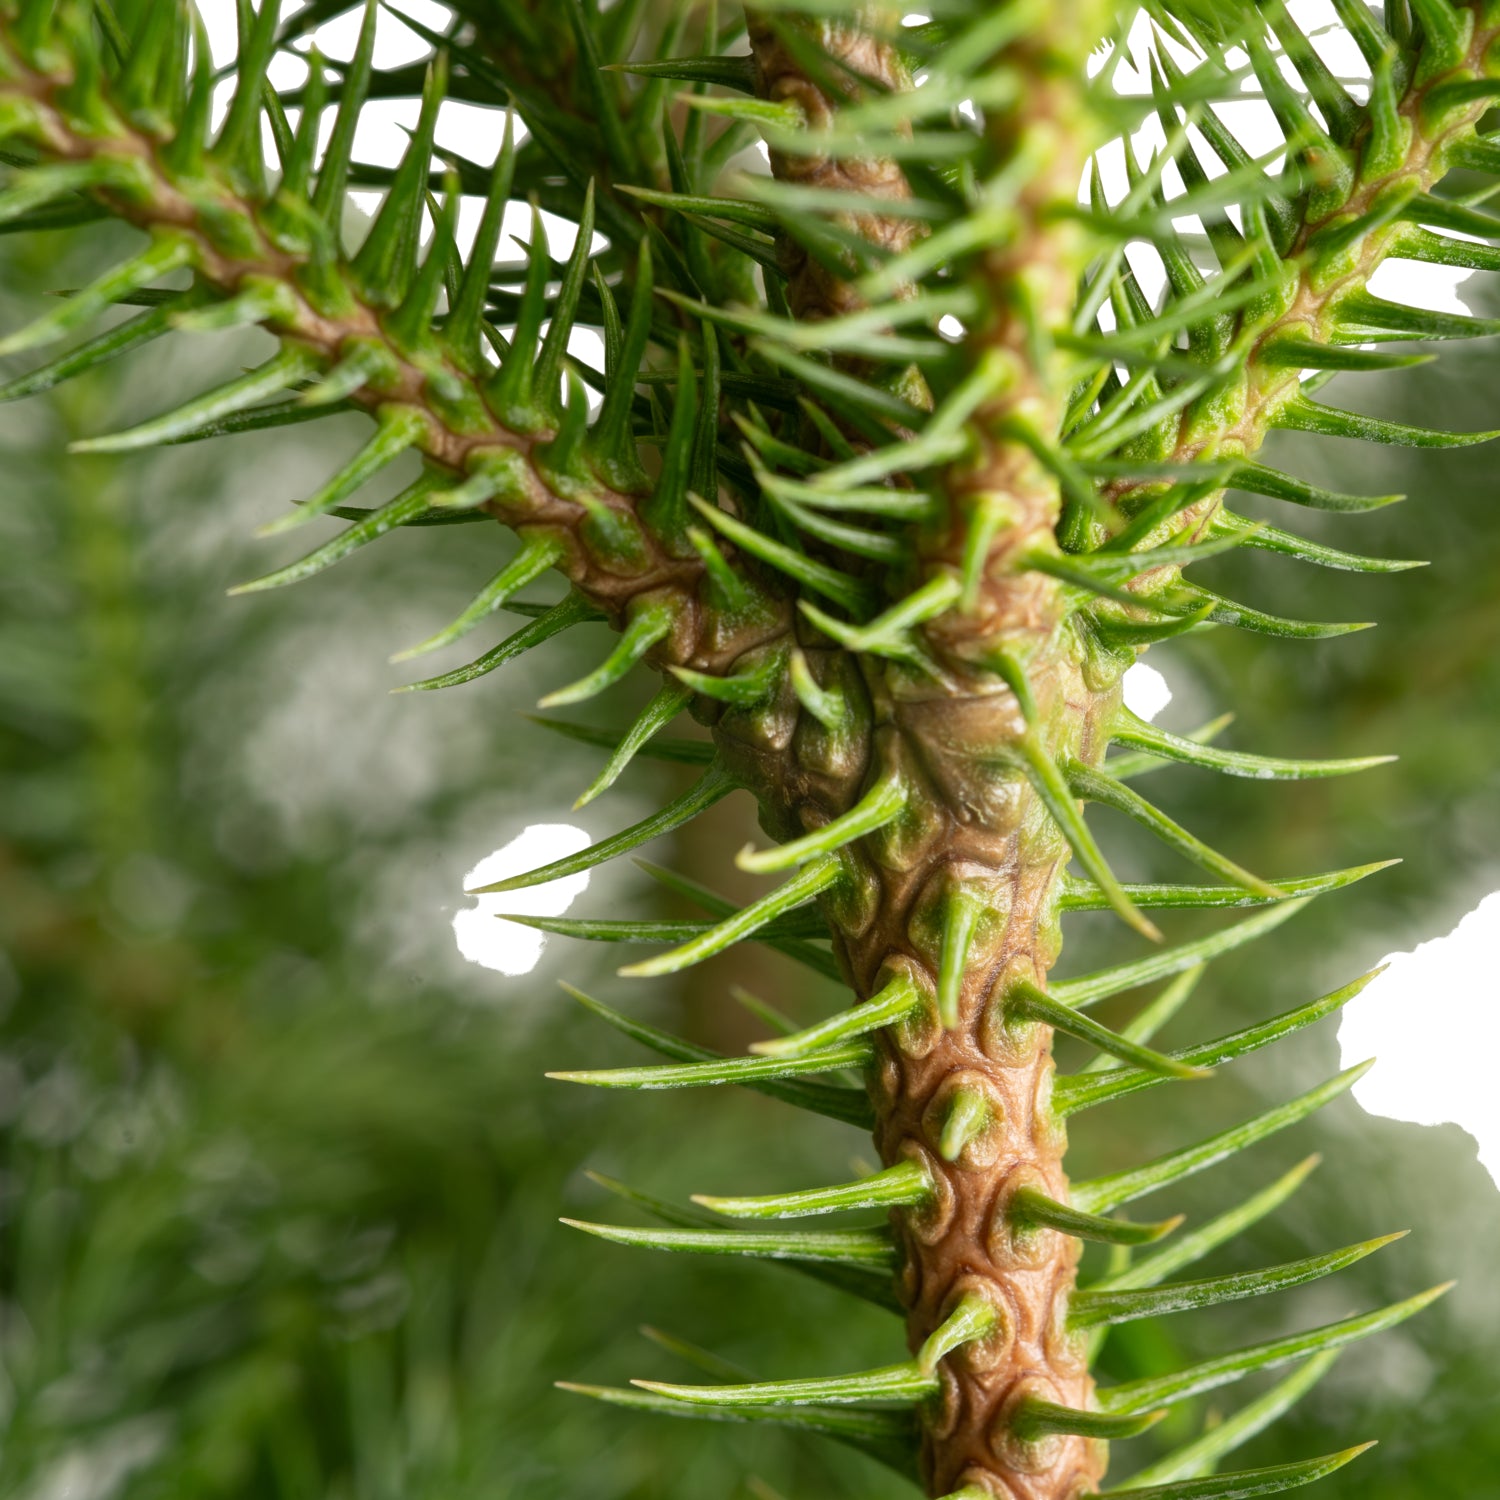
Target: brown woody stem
[968, 877]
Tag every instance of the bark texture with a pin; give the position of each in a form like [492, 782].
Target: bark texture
[978, 847]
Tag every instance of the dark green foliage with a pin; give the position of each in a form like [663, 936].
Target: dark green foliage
[682, 475]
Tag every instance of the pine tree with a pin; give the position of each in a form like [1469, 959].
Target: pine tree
[892, 470]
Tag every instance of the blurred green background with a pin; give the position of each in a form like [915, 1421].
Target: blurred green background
[281, 1174]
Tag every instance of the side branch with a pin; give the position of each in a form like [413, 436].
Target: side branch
[360, 331]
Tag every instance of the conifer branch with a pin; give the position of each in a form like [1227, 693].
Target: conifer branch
[899, 570]
[329, 317]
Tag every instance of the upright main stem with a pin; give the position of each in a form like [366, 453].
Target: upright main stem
[994, 864]
[967, 881]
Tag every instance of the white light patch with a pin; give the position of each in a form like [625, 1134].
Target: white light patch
[507, 948]
[1146, 691]
[1417, 284]
[395, 46]
[1430, 1019]
[221, 29]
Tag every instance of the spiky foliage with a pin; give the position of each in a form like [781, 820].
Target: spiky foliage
[896, 469]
